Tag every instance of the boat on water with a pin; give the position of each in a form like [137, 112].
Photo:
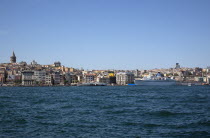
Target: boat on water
[93, 84]
[158, 79]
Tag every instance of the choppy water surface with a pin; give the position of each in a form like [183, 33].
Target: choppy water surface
[127, 111]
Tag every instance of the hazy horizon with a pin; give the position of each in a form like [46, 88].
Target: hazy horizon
[119, 34]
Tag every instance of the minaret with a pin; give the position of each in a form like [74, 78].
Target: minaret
[13, 58]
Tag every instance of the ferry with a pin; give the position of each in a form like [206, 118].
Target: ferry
[155, 80]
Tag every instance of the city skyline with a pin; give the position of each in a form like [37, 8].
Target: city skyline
[13, 61]
[107, 34]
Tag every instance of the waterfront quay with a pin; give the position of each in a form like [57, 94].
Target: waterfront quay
[33, 74]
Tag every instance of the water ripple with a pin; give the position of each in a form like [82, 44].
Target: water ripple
[105, 111]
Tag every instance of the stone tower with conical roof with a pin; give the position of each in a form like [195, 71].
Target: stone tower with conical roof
[13, 58]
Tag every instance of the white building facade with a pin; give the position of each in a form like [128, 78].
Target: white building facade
[123, 78]
[39, 76]
[27, 78]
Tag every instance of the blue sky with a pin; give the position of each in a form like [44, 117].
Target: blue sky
[107, 34]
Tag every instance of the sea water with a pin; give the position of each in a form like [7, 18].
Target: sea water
[109, 111]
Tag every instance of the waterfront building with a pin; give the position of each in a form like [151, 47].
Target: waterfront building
[17, 79]
[27, 78]
[2, 75]
[10, 78]
[10, 72]
[2, 78]
[62, 79]
[13, 76]
[103, 79]
[39, 76]
[56, 78]
[79, 78]
[199, 79]
[68, 78]
[111, 74]
[48, 79]
[13, 58]
[208, 79]
[88, 78]
[71, 78]
[137, 73]
[123, 78]
[112, 77]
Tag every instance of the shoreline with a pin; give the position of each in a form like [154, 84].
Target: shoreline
[191, 84]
